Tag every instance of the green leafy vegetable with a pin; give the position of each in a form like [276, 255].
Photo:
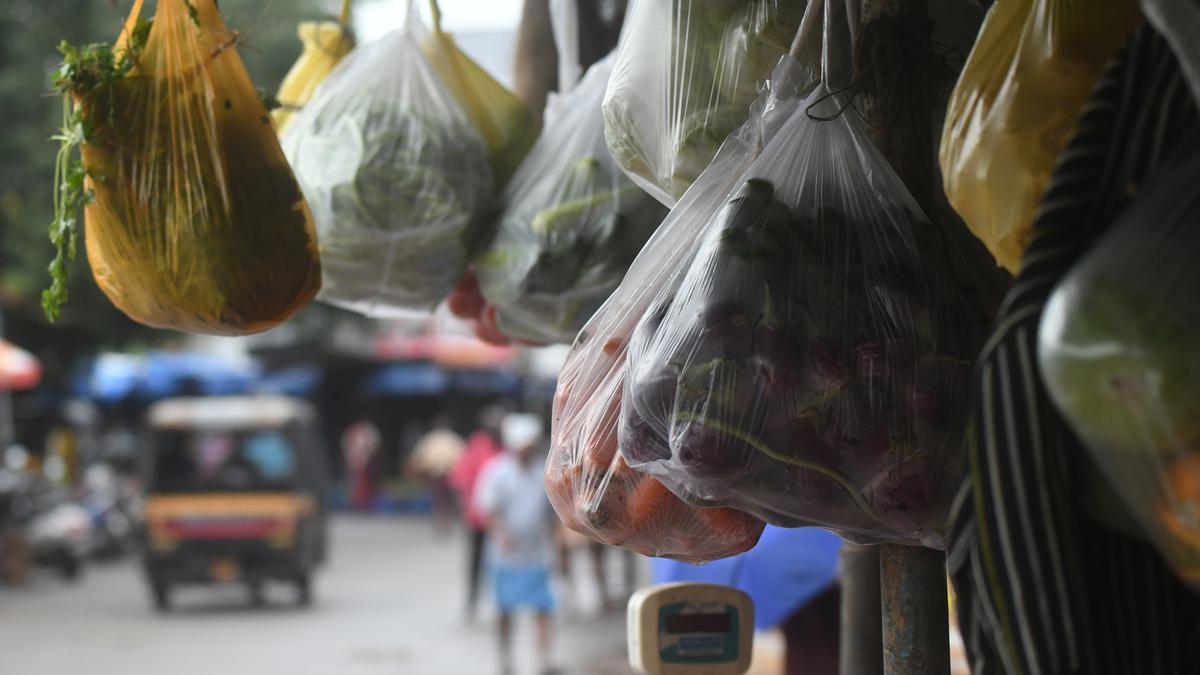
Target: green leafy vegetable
[268, 100]
[84, 71]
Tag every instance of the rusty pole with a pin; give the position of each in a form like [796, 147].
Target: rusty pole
[860, 645]
[895, 75]
[916, 632]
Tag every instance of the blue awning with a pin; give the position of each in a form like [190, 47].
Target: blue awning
[486, 382]
[406, 379]
[112, 377]
[295, 381]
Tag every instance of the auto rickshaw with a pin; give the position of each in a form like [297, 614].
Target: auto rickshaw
[234, 493]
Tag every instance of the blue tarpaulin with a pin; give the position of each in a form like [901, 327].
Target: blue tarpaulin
[485, 382]
[297, 381]
[788, 568]
[406, 379]
[112, 377]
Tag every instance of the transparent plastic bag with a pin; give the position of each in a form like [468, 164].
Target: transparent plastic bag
[588, 481]
[197, 222]
[500, 117]
[685, 76]
[572, 223]
[1179, 24]
[1118, 352]
[809, 363]
[397, 177]
[1014, 107]
[325, 44]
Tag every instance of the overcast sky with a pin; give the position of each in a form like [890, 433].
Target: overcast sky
[373, 18]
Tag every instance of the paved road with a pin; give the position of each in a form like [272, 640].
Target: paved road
[389, 602]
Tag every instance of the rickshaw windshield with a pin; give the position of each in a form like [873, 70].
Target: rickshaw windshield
[223, 461]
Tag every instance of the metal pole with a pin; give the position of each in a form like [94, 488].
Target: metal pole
[861, 641]
[916, 631]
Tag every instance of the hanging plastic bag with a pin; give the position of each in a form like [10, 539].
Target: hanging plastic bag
[588, 481]
[809, 363]
[194, 219]
[325, 44]
[685, 76]
[1014, 107]
[500, 117]
[1117, 347]
[396, 175]
[572, 224]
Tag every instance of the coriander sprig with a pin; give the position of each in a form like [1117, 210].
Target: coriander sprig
[84, 71]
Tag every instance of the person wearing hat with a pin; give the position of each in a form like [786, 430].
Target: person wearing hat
[521, 524]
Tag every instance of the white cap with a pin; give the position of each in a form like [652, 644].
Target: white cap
[521, 430]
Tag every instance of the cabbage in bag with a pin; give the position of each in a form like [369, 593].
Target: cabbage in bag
[572, 224]
[591, 486]
[685, 76]
[1014, 107]
[396, 175]
[810, 362]
[1118, 351]
[194, 219]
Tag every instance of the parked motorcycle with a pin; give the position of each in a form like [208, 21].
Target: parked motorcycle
[114, 507]
[43, 525]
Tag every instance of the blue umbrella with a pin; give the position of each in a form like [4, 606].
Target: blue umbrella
[787, 569]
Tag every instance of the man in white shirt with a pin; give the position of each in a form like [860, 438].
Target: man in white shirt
[521, 524]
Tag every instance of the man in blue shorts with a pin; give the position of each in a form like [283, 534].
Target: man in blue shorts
[512, 498]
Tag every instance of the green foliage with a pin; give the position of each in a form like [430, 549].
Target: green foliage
[84, 72]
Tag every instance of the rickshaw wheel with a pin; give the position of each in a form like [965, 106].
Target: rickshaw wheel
[257, 598]
[304, 590]
[162, 597]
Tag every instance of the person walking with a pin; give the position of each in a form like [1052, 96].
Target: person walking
[482, 447]
[521, 525]
[433, 458]
[360, 443]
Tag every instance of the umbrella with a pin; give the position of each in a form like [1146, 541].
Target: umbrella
[19, 369]
[788, 568]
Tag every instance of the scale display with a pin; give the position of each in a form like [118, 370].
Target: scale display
[690, 629]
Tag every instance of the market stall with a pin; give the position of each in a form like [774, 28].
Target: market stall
[920, 275]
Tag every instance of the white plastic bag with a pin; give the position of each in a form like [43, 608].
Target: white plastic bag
[685, 76]
[572, 223]
[396, 175]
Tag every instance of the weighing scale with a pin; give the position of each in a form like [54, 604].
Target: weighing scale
[690, 629]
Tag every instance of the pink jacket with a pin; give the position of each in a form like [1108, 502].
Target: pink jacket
[481, 449]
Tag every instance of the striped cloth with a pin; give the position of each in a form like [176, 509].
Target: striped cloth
[1042, 589]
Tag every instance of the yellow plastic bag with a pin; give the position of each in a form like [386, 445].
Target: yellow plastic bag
[197, 222]
[501, 118]
[1014, 108]
[325, 44]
